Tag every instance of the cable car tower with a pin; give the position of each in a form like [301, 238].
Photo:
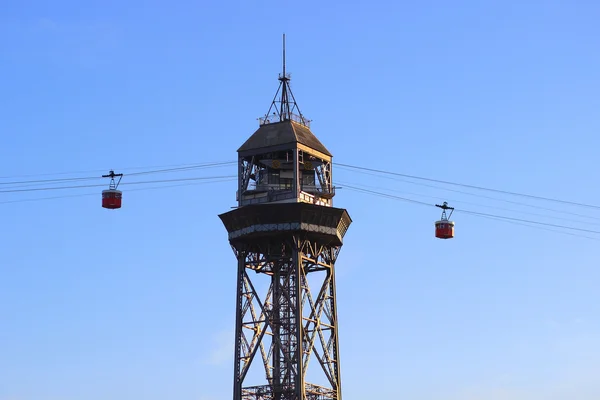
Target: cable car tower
[286, 236]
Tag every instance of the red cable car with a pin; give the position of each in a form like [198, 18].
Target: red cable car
[444, 228]
[111, 197]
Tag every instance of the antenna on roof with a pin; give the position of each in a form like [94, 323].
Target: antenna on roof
[284, 106]
[284, 54]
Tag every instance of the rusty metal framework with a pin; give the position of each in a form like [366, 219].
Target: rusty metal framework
[286, 318]
[289, 323]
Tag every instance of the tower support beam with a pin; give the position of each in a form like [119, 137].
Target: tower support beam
[286, 309]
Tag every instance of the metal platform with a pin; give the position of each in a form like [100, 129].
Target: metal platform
[325, 224]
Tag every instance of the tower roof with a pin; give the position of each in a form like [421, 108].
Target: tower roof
[286, 132]
[283, 126]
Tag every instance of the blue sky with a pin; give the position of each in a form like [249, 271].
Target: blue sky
[139, 303]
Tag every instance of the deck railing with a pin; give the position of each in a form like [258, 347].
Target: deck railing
[272, 119]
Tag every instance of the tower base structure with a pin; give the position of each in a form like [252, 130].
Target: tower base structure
[289, 319]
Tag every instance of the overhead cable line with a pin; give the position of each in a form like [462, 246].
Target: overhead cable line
[391, 196]
[51, 180]
[130, 190]
[471, 186]
[219, 164]
[483, 205]
[473, 212]
[543, 228]
[124, 183]
[59, 180]
[535, 206]
[527, 221]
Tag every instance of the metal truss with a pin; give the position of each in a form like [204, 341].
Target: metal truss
[324, 177]
[288, 323]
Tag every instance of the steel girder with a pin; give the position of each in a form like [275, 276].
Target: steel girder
[288, 322]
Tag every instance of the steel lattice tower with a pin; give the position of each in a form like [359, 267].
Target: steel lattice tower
[286, 236]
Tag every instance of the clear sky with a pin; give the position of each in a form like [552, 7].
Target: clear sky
[139, 303]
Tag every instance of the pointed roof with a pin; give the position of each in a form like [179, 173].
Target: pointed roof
[282, 133]
[292, 127]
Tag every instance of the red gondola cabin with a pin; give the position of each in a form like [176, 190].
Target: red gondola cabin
[444, 228]
[111, 197]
